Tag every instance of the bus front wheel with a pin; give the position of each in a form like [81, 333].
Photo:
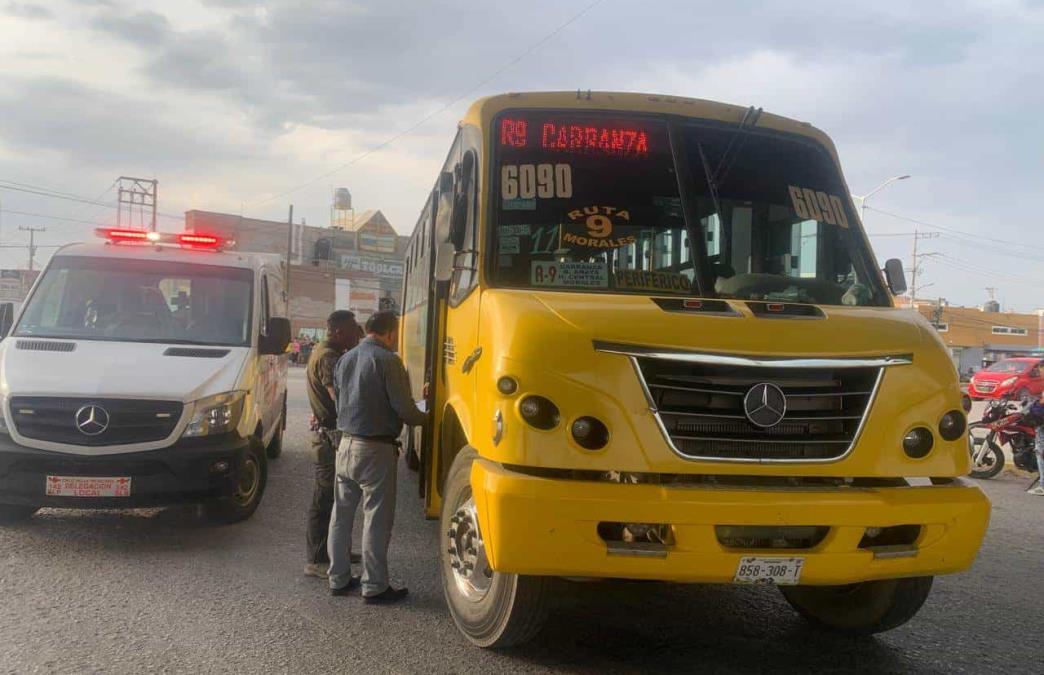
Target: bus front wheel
[490, 608]
[860, 609]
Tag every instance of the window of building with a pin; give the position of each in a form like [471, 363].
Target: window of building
[942, 327]
[1008, 330]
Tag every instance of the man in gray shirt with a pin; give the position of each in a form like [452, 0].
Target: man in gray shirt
[373, 402]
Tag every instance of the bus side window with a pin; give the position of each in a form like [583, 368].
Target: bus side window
[466, 277]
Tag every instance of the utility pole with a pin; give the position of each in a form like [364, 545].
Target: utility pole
[32, 242]
[916, 260]
[289, 255]
[140, 192]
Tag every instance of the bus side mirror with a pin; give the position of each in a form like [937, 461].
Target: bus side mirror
[445, 255]
[895, 276]
[278, 337]
[6, 318]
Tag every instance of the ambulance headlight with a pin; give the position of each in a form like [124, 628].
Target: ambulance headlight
[217, 414]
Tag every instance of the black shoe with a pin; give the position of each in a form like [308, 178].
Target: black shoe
[389, 596]
[354, 558]
[352, 585]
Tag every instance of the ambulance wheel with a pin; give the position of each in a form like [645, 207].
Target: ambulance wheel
[13, 513]
[860, 609]
[490, 608]
[275, 446]
[250, 486]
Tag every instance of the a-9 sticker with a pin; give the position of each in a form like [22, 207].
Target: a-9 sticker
[529, 181]
[810, 204]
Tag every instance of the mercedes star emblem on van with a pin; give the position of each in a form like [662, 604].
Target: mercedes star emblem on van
[92, 420]
[765, 405]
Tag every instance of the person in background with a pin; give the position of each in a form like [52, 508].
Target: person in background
[1037, 410]
[342, 333]
[374, 401]
[295, 351]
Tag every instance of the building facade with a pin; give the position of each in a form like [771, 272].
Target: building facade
[360, 269]
[978, 337]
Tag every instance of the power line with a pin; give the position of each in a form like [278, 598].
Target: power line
[49, 216]
[54, 194]
[532, 48]
[950, 229]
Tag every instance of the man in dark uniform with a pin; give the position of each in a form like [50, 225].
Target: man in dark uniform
[342, 334]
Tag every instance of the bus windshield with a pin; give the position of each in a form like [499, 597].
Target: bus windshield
[116, 299]
[592, 203]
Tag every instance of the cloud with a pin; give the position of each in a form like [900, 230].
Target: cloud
[27, 10]
[92, 127]
[147, 29]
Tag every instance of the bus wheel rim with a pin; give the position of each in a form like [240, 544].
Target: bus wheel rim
[469, 566]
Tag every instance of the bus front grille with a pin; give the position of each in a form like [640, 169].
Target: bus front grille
[704, 408]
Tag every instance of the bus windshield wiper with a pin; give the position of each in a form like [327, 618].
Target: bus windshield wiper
[739, 137]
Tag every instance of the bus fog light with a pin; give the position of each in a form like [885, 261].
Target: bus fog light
[507, 385]
[539, 412]
[220, 466]
[590, 433]
[952, 425]
[918, 442]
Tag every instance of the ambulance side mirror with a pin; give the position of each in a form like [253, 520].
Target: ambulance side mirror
[278, 337]
[6, 318]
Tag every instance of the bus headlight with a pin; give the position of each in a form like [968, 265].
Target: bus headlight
[539, 412]
[952, 425]
[217, 414]
[590, 433]
[918, 442]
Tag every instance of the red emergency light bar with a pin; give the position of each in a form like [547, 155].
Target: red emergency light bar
[193, 240]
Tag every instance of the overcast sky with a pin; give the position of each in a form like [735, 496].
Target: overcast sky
[230, 102]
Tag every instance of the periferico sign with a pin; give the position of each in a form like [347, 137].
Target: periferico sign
[638, 280]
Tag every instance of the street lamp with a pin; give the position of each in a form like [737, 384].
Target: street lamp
[862, 199]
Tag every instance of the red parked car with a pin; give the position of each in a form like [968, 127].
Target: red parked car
[1016, 378]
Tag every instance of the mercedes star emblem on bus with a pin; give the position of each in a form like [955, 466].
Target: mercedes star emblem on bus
[92, 420]
[765, 405]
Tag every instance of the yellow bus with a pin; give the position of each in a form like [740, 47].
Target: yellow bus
[659, 347]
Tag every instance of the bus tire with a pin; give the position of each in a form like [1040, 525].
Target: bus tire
[860, 609]
[16, 513]
[252, 477]
[492, 609]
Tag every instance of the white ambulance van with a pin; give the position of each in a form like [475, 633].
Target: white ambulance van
[145, 370]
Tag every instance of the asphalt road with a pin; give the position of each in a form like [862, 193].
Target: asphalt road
[160, 591]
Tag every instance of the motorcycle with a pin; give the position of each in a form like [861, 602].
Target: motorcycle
[1004, 422]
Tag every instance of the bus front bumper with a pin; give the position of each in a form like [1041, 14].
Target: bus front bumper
[542, 526]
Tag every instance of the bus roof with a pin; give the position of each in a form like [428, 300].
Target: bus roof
[171, 254]
[483, 110]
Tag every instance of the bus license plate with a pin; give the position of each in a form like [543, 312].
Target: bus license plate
[88, 486]
[769, 571]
